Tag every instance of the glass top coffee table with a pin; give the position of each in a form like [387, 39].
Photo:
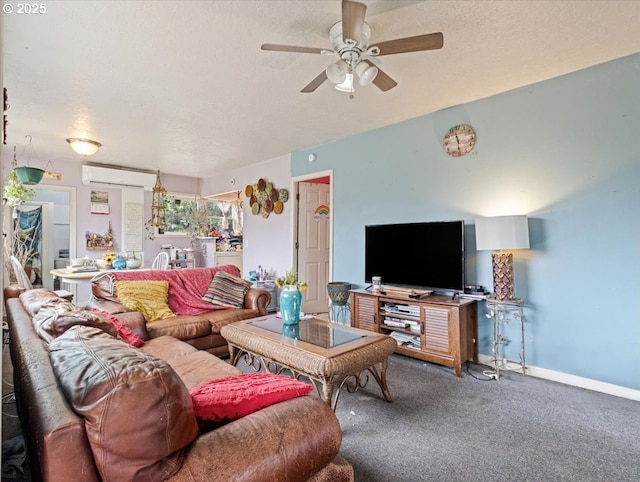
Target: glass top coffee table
[329, 355]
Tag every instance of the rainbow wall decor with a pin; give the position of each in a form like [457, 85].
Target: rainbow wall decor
[321, 212]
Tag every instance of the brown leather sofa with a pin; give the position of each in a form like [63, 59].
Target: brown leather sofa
[201, 330]
[293, 440]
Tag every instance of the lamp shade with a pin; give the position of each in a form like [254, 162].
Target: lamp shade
[347, 85]
[366, 73]
[502, 232]
[337, 72]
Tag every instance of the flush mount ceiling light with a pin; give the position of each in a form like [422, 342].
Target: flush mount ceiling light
[84, 147]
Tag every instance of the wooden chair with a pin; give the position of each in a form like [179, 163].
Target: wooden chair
[161, 261]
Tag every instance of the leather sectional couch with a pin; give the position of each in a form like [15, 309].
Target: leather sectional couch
[197, 322]
[58, 381]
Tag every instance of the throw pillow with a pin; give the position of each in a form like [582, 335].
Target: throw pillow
[147, 297]
[233, 397]
[57, 316]
[123, 331]
[137, 411]
[227, 290]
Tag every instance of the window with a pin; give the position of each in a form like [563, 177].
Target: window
[177, 215]
[197, 217]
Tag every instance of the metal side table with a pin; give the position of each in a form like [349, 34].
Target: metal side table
[503, 312]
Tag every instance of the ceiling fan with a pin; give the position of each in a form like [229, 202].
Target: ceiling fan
[350, 42]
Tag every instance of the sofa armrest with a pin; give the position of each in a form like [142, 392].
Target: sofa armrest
[111, 307]
[133, 319]
[256, 299]
[11, 291]
[290, 440]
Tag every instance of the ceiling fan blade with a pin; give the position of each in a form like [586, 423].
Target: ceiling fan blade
[291, 48]
[382, 80]
[429, 41]
[315, 83]
[352, 20]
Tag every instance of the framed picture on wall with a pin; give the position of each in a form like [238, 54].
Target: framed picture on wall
[101, 197]
[99, 202]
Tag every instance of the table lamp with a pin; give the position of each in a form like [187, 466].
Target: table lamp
[501, 233]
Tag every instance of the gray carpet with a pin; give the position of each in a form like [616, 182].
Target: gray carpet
[443, 428]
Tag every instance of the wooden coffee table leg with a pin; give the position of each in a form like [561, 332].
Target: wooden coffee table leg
[382, 379]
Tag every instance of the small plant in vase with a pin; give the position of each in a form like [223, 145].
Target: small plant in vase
[133, 261]
[290, 297]
[290, 279]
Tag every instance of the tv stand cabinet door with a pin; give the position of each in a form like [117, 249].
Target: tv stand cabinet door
[364, 312]
[450, 334]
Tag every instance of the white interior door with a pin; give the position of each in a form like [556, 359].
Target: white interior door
[313, 244]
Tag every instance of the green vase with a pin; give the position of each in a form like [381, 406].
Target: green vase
[290, 303]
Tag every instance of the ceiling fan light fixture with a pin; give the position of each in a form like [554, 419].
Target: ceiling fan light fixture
[337, 72]
[367, 73]
[84, 147]
[347, 85]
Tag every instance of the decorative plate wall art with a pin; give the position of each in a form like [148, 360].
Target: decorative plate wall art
[265, 199]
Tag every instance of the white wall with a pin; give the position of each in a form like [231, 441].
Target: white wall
[267, 242]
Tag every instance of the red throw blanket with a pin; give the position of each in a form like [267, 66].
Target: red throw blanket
[186, 286]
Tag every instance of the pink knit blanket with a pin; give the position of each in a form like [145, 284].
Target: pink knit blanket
[186, 286]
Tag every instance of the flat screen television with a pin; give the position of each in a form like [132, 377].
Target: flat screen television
[427, 255]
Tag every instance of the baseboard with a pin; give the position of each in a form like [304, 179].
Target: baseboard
[575, 381]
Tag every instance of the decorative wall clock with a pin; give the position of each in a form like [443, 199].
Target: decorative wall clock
[459, 140]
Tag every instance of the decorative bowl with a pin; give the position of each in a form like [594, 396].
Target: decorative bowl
[338, 292]
[101, 263]
[133, 263]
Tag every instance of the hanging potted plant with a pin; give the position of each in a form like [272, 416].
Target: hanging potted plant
[29, 175]
[14, 192]
[26, 174]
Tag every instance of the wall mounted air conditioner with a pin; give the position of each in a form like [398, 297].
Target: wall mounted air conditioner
[110, 177]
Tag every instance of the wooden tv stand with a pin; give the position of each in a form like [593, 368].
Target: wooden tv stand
[440, 329]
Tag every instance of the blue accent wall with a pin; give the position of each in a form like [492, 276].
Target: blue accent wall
[566, 152]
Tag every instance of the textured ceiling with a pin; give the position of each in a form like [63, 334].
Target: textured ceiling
[182, 86]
